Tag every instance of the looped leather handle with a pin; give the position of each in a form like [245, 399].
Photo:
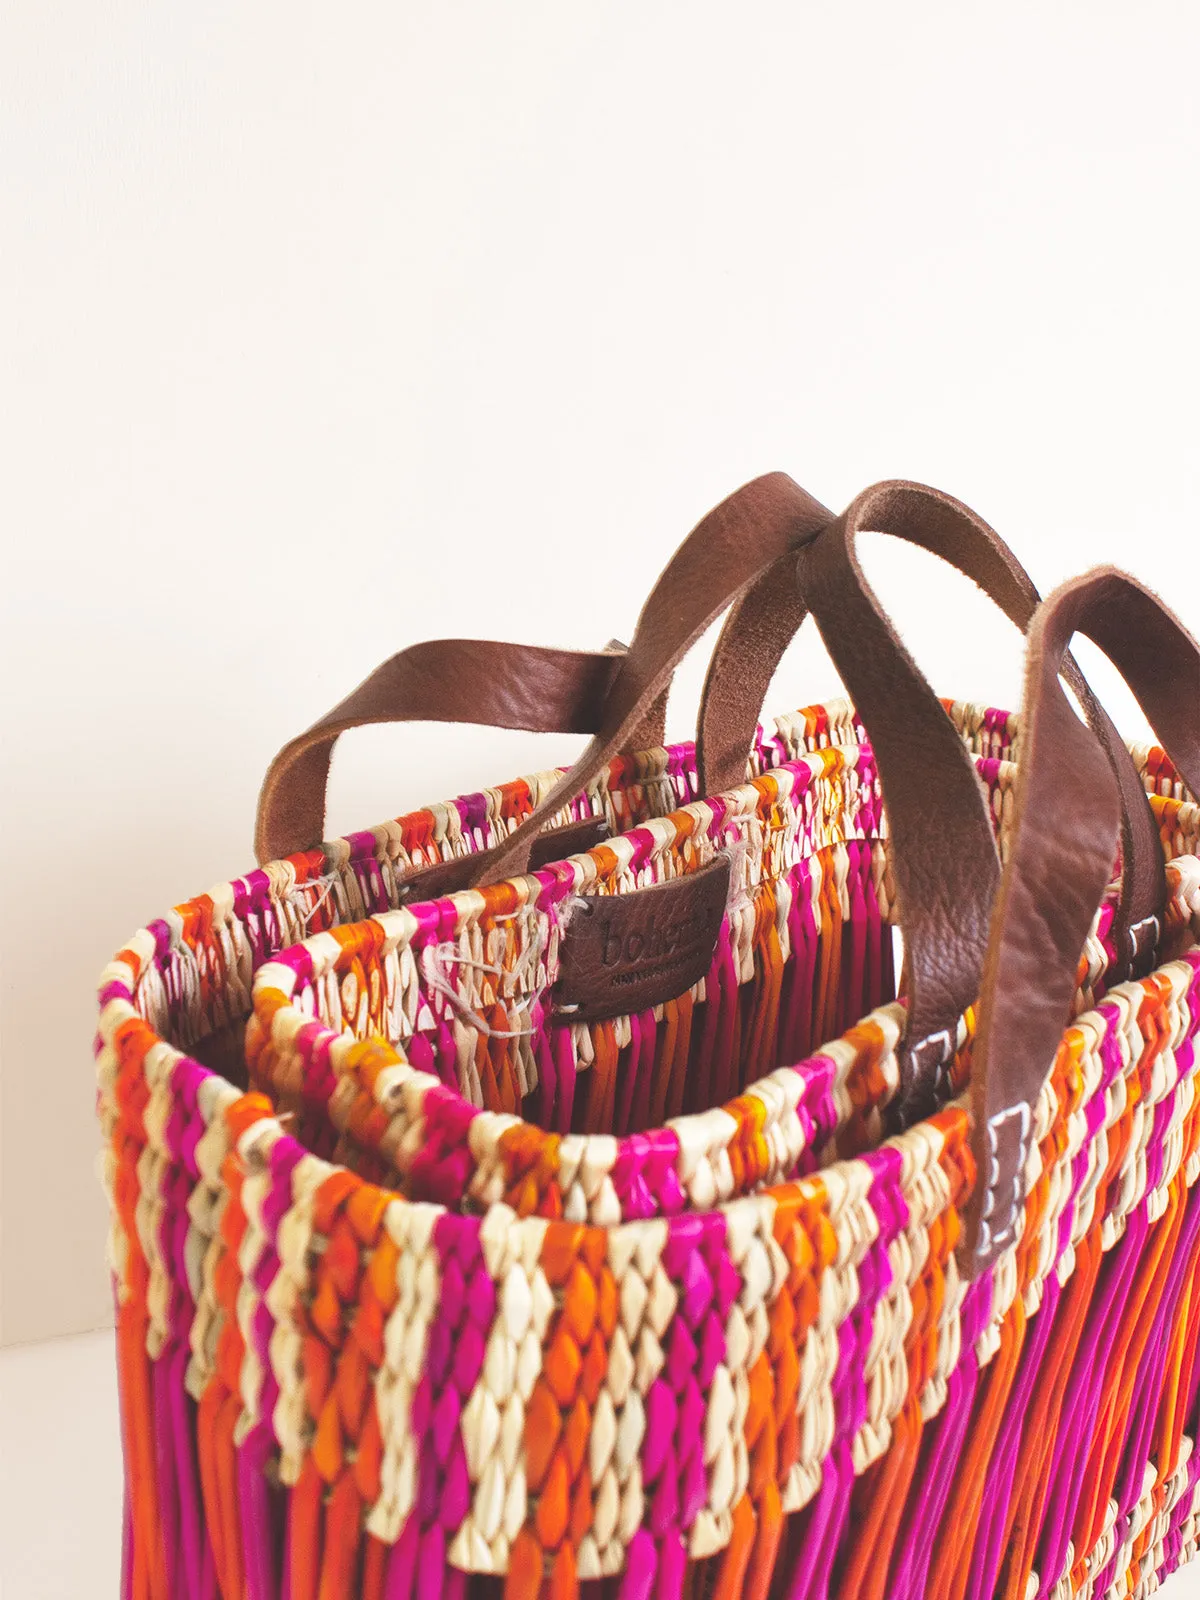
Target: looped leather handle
[754, 531]
[771, 615]
[943, 850]
[529, 687]
[1065, 824]
[618, 696]
[944, 856]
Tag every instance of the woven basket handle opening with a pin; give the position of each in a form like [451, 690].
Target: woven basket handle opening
[1067, 810]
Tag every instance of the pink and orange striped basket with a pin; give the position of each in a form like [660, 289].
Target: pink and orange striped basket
[431, 1283]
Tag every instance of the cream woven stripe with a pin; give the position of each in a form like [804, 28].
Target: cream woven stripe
[493, 1418]
[595, 1161]
[410, 1227]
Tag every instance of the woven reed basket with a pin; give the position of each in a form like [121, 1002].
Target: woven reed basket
[438, 1273]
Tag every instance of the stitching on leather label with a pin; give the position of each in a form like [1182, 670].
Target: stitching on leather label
[630, 952]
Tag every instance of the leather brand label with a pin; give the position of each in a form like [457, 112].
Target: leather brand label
[628, 952]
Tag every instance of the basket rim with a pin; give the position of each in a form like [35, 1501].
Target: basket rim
[773, 1109]
[782, 1091]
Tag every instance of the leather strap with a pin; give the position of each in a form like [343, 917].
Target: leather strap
[444, 680]
[618, 696]
[942, 846]
[767, 617]
[1067, 807]
[517, 686]
[625, 953]
[746, 536]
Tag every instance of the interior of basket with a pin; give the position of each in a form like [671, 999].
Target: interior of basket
[462, 997]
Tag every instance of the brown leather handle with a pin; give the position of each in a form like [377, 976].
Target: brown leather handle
[754, 531]
[942, 847]
[737, 683]
[944, 855]
[444, 680]
[542, 690]
[1067, 805]
[770, 613]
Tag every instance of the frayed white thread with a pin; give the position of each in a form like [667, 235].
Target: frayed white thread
[439, 982]
[330, 882]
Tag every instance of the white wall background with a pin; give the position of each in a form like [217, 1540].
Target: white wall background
[330, 328]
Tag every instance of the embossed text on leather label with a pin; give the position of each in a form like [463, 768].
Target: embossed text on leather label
[628, 952]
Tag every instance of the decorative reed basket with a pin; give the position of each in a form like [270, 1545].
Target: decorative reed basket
[613, 1228]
